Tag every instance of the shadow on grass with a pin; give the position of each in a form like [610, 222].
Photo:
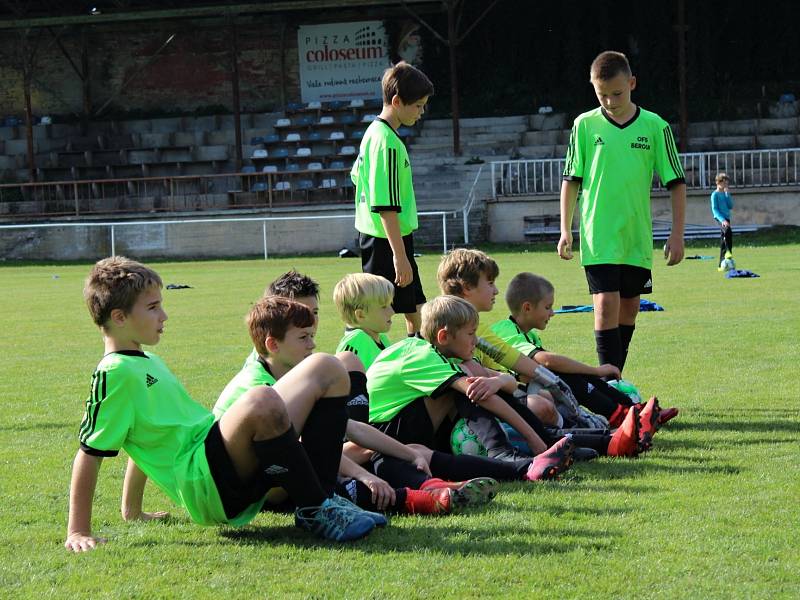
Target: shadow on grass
[36, 426]
[450, 539]
[743, 426]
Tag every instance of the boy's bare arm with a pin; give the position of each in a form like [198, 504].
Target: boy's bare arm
[564, 364]
[368, 437]
[402, 265]
[85, 468]
[133, 493]
[674, 248]
[567, 202]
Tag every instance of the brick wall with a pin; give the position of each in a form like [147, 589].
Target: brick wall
[192, 72]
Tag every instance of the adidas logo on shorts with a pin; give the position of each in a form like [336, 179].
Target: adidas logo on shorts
[649, 283]
[275, 470]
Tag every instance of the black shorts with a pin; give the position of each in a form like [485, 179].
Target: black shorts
[412, 425]
[377, 258]
[628, 280]
[236, 495]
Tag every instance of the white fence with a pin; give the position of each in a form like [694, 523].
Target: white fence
[746, 168]
[151, 235]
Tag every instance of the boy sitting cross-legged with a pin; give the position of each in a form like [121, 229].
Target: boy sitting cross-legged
[530, 299]
[218, 471]
[282, 332]
[414, 385]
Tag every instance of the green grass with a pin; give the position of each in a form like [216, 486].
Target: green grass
[712, 511]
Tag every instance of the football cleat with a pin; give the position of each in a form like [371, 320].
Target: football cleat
[479, 490]
[553, 461]
[625, 440]
[438, 501]
[379, 519]
[667, 414]
[333, 522]
[648, 420]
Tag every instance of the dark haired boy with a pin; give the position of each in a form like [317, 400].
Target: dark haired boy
[613, 152]
[218, 471]
[386, 209]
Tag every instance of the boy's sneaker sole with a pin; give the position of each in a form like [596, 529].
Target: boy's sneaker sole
[475, 492]
[667, 414]
[648, 420]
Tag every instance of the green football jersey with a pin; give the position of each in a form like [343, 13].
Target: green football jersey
[136, 404]
[362, 345]
[253, 373]
[492, 352]
[528, 343]
[614, 165]
[382, 176]
[409, 369]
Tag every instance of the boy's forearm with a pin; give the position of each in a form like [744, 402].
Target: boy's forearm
[132, 491]
[368, 437]
[81, 493]
[567, 201]
[391, 225]
[563, 364]
[678, 197]
[348, 468]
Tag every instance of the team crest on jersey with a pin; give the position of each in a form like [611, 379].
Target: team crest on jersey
[641, 143]
[598, 141]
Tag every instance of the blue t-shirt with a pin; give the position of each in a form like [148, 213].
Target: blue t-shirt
[721, 205]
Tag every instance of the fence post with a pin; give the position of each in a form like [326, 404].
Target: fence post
[113, 243]
[444, 233]
[264, 233]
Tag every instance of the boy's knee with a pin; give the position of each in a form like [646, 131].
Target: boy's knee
[351, 362]
[265, 408]
[329, 371]
[544, 409]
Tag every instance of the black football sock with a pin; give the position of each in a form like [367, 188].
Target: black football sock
[360, 495]
[611, 392]
[322, 438]
[587, 395]
[463, 467]
[284, 461]
[595, 441]
[625, 336]
[609, 346]
[358, 401]
[398, 473]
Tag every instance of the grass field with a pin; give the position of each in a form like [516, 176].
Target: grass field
[713, 511]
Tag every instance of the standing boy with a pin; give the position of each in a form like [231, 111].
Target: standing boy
[386, 210]
[721, 205]
[613, 152]
[219, 472]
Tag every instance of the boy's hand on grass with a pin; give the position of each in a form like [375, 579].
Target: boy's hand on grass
[481, 388]
[608, 370]
[403, 274]
[80, 542]
[382, 493]
[159, 515]
[564, 247]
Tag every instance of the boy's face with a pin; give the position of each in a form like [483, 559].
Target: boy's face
[376, 318]
[312, 302]
[542, 311]
[482, 296]
[460, 343]
[295, 346]
[409, 114]
[144, 325]
[615, 94]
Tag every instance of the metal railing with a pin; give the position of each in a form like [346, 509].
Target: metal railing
[465, 210]
[171, 193]
[745, 168]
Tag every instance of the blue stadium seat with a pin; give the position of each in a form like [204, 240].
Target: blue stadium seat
[347, 183]
[271, 138]
[255, 141]
[335, 104]
[280, 153]
[336, 164]
[347, 119]
[305, 184]
[294, 106]
[305, 120]
[357, 134]
[248, 169]
[314, 136]
[259, 186]
[373, 103]
[292, 167]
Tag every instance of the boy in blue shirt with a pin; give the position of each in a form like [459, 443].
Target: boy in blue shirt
[721, 205]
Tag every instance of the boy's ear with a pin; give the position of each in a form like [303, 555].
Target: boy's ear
[117, 317]
[271, 344]
[527, 306]
[633, 82]
[442, 337]
[359, 314]
[396, 102]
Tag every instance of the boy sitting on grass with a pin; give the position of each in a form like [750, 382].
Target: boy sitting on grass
[283, 334]
[530, 299]
[218, 471]
[414, 385]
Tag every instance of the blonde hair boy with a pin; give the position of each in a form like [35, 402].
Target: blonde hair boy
[360, 291]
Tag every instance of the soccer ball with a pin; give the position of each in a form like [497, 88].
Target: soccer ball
[627, 388]
[464, 441]
[727, 264]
